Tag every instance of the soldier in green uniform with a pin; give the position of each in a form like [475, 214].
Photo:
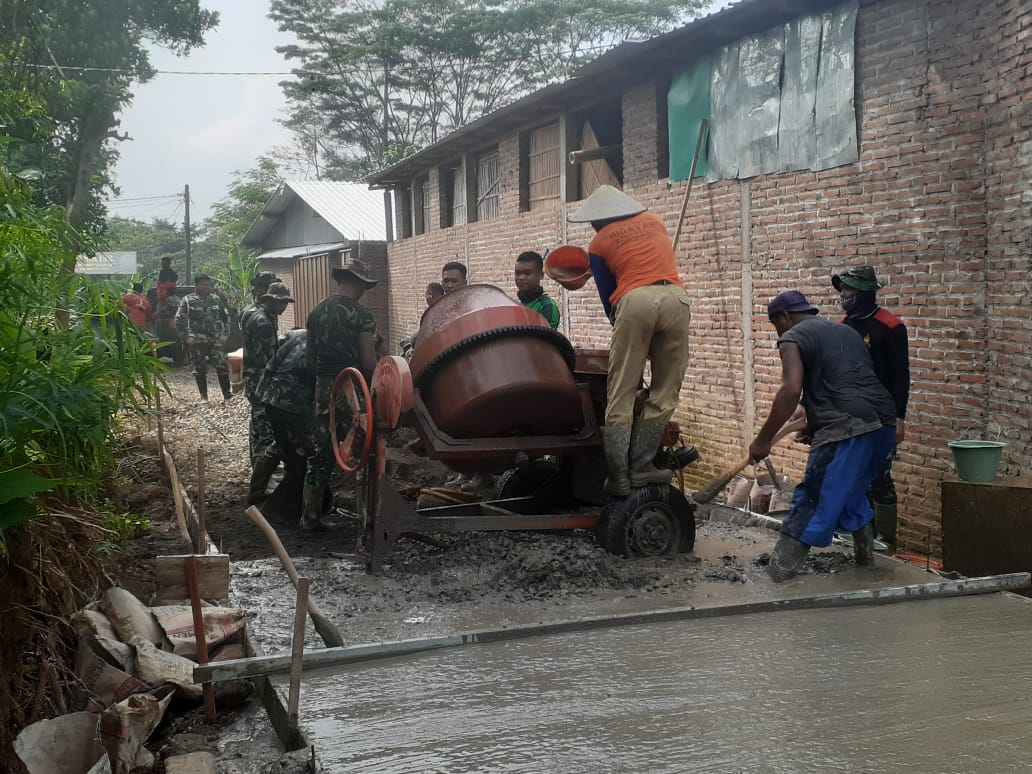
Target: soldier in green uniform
[285, 394]
[341, 334]
[203, 323]
[530, 269]
[259, 348]
[259, 285]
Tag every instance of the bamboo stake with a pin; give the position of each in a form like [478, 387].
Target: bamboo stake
[201, 538]
[199, 638]
[297, 650]
[703, 125]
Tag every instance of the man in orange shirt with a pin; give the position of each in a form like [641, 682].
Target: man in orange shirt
[633, 263]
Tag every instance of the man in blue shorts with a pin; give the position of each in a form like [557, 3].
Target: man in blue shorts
[851, 419]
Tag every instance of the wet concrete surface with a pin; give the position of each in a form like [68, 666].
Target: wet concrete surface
[487, 581]
[928, 686]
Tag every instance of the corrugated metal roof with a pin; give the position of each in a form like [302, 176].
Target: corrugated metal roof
[609, 74]
[298, 252]
[351, 208]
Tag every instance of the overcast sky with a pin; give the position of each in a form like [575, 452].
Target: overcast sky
[200, 129]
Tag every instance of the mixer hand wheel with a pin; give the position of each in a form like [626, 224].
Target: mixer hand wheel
[361, 420]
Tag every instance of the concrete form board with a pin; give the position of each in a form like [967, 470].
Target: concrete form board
[942, 686]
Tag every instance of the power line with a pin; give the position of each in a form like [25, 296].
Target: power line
[143, 198]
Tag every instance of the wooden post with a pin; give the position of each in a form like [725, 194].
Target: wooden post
[202, 643]
[201, 538]
[691, 178]
[161, 429]
[297, 649]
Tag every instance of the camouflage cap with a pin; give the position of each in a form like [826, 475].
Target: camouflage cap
[859, 278]
[264, 279]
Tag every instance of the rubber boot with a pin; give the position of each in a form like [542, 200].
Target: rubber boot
[616, 440]
[645, 439]
[260, 475]
[311, 508]
[227, 391]
[787, 558]
[202, 386]
[863, 545]
[885, 522]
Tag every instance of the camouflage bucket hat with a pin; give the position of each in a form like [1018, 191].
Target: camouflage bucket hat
[859, 278]
[278, 292]
[264, 279]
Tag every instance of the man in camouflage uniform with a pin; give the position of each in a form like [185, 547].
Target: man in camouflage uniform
[259, 285]
[285, 393]
[203, 323]
[341, 334]
[259, 348]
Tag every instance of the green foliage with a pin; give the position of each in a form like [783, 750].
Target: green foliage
[124, 526]
[379, 76]
[149, 240]
[75, 63]
[61, 387]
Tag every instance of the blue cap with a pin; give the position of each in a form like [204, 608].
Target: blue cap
[791, 301]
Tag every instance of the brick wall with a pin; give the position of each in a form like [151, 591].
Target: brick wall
[938, 202]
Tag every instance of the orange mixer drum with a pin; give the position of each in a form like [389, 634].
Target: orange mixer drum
[488, 367]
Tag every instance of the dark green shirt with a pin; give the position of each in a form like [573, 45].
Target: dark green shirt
[203, 317]
[334, 329]
[259, 347]
[543, 305]
[285, 383]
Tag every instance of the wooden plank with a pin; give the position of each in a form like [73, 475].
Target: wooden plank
[315, 659]
[986, 528]
[191, 763]
[212, 572]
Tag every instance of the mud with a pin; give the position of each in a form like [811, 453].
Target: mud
[928, 686]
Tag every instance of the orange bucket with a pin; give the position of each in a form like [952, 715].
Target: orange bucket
[569, 266]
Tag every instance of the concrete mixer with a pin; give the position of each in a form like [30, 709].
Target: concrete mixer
[492, 388]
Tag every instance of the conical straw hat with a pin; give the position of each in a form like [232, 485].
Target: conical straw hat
[606, 203]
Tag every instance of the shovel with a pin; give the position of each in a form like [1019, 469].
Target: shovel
[714, 486]
[323, 626]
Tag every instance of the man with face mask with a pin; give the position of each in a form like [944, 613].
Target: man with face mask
[886, 339]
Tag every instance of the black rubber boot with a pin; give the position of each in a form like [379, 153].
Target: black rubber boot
[202, 386]
[863, 545]
[787, 558]
[260, 475]
[227, 391]
[885, 522]
[312, 507]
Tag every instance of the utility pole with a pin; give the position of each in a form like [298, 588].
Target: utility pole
[186, 228]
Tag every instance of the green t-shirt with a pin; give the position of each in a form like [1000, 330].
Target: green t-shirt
[546, 307]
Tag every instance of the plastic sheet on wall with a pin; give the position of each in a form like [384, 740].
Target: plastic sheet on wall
[836, 111]
[784, 99]
[688, 103]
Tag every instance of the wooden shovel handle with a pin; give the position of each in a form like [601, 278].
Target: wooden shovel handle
[323, 626]
[715, 485]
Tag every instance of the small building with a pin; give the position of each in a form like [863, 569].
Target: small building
[308, 228]
[896, 133]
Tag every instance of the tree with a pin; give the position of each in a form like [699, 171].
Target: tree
[82, 59]
[150, 241]
[377, 80]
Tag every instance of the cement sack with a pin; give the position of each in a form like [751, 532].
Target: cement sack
[157, 667]
[125, 726]
[101, 682]
[91, 621]
[131, 618]
[69, 744]
[221, 625]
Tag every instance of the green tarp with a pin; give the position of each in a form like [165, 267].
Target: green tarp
[688, 102]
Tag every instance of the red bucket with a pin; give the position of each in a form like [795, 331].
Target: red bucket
[569, 266]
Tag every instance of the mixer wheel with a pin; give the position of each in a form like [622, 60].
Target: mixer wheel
[655, 520]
